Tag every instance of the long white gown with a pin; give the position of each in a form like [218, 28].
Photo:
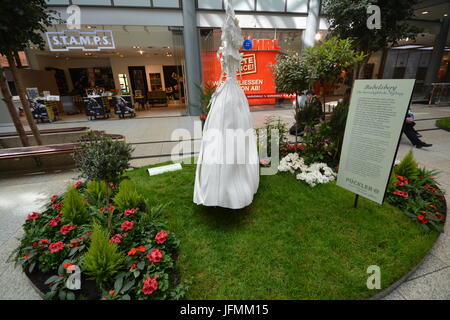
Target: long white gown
[228, 165]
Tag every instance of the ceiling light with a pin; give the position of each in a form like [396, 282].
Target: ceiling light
[425, 12]
[318, 36]
[445, 14]
[90, 27]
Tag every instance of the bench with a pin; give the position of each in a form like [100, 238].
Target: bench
[45, 131]
[20, 160]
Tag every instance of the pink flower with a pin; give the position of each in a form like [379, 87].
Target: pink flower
[161, 237]
[150, 285]
[77, 184]
[55, 247]
[66, 229]
[33, 216]
[116, 238]
[54, 222]
[155, 256]
[129, 212]
[127, 225]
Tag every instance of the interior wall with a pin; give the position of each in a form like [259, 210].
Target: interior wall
[152, 65]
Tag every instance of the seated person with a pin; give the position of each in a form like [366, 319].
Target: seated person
[411, 134]
[310, 100]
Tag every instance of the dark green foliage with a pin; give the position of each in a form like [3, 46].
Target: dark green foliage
[102, 159]
[103, 259]
[127, 197]
[291, 74]
[264, 134]
[338, 122]
[75, 210]
[348, 20]
[408, 167]
[24, 22]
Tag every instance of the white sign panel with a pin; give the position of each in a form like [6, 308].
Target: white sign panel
[66, 40]
[164, 169]
[376, 116]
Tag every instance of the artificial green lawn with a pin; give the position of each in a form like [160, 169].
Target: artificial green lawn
[443, 123]
[293, 242]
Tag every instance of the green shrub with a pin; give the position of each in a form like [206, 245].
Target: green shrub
[103, 260]
[338, 122]
[408, 168]
[101, 158]
[127, 197]
[443, 124]
[75, 210]
[96, 191]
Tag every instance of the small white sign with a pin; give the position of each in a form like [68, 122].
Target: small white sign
[164, 169]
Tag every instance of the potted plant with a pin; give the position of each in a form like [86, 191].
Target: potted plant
[206, 92]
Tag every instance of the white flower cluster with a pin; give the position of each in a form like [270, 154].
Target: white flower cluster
[317, 173]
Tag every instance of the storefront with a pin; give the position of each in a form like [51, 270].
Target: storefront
[260, 51]
[143, 62]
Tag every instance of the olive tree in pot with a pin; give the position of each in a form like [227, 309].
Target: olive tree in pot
[102, 159]
[291, 76]
[330, 61]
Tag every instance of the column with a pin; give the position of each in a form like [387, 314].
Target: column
[312, 24]
[192, 56]
[436, 56]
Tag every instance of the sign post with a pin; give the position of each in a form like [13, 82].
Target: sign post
[372, 136]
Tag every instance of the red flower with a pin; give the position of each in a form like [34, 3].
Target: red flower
[69, 266]
[161, 237]
[35, 244]
[26, 256]
[77, 184]
[432, 206]
[155, 256]
[117, 238]
[57, 206]
[133, 266]
[112, 186]
[129, 212]
[401, 193]
[54, 198]
[54, 222]
[33, 216]
[89, 233]
[55, 247]
[111, 208]
[74, 243]
[111, 292]
[203, 116]
[141, 249]
[422, 219]
[45, 241]
[132, 252]
[150, 285]
[127, 225]
[66, 229]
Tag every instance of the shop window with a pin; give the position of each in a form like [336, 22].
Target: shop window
[166, 3]
[300, 6]
[270, 5]
[132, 3]
[210, 4]
[123, 81]
[92, 2]
[244, 5]
[55, 2]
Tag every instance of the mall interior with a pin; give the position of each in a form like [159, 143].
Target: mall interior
[162, 51]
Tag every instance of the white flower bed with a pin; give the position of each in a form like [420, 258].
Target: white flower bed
[317, 173]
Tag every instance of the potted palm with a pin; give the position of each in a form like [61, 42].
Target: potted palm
[206, 93]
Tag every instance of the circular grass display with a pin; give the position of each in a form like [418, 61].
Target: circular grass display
[293, 242]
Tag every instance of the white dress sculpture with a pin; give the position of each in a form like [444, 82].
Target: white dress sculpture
[228, 165]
